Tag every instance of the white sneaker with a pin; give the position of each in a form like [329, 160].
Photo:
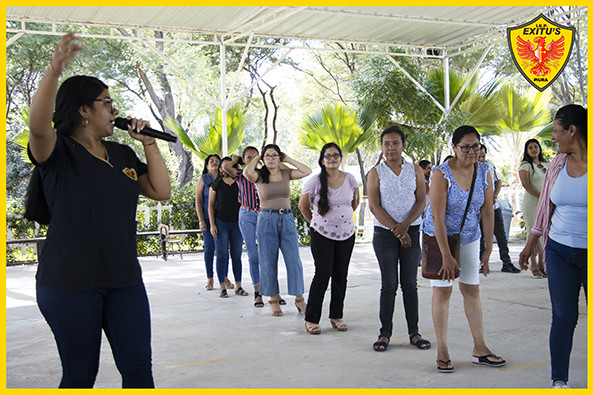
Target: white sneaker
[560, 384]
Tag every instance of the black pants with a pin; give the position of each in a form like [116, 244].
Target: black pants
[332, 259]
[501, 238]
[390, 255]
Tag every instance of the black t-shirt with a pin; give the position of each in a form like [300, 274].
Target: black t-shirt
[227, 201]
[91, 240]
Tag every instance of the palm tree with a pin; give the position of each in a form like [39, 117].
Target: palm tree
[210, 140]
[523, 111]
[338, 124]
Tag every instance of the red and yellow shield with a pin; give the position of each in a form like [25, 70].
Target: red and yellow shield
[540, 49]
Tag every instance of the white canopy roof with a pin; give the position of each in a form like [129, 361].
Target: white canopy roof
[417, 28]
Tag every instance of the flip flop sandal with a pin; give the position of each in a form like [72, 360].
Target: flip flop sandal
[240, 291]
[446, 368]
[483, 360]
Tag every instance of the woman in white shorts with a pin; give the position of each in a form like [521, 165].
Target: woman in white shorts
[449, 190]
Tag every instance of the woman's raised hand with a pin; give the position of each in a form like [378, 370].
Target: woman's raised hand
[67, 49]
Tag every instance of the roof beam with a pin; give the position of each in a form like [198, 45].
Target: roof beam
[402, 18]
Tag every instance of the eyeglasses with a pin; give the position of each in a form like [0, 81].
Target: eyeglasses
[465, 148]
[335, 156]
[271, 156]
[108, 101]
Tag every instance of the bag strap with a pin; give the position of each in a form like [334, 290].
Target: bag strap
[469, 199]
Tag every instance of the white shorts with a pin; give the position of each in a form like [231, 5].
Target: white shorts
[469, 261]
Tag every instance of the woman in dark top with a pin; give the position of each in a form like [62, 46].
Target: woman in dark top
[89, 279]
[209, 173]
[223, 206]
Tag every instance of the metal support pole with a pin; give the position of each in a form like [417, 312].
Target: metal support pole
[447, 87]
[223, 100]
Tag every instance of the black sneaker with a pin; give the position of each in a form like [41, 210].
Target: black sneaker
[510, 268]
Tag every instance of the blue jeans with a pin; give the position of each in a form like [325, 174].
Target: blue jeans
[248, 224]
[275, 232]
[209, 249]
[567, 272]
[229, 236]
[390, 253]
[77, 318]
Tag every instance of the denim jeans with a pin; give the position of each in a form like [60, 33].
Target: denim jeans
[77, 318]
[275, 232]
[567, 272]
[209, 249]
[229, 237]
[389, 252]
[332, 259]
[248, 224]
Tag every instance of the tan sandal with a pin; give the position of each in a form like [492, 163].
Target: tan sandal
[312, 328]
[228, 284]
[276, 310]
[210, 284]
[338, 324]
[300, 304]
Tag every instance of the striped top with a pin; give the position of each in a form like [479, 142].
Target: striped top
[247, 192]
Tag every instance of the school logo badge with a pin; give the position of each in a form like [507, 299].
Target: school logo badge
[540, 49]
[131, 173]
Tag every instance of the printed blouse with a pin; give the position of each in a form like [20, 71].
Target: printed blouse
[456, 203]
[338, 223]
[398, 193]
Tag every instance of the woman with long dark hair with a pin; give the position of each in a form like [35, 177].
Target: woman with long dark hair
[276, 229]
[209, 173]
[334, 195]
[531, 173]
[223, 208]
[560, 219]
[89, 280]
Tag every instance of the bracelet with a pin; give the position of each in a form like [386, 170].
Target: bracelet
[54, 70]
[147, 145]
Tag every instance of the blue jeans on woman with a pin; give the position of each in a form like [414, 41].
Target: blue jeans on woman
[389, 253]
[275, 232]
[77, 318]
[248, 224]
[567, 272]
[229, 237]
[209, 249]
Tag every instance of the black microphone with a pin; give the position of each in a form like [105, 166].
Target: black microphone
[123, 123]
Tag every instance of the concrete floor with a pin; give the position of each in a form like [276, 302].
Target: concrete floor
[203, 341]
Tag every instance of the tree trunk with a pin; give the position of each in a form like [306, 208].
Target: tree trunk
[263, 95]
[275, 116]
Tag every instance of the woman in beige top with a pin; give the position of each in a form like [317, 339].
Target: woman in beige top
[276, 228]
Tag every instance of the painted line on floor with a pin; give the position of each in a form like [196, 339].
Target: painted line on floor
[527, 365]
[199, 363]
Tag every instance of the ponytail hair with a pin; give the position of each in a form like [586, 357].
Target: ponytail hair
[323, 203]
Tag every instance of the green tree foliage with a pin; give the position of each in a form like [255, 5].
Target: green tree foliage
[381, 84]
[210, 140]
[347, 128]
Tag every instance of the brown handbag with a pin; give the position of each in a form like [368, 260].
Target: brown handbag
[432, 260]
